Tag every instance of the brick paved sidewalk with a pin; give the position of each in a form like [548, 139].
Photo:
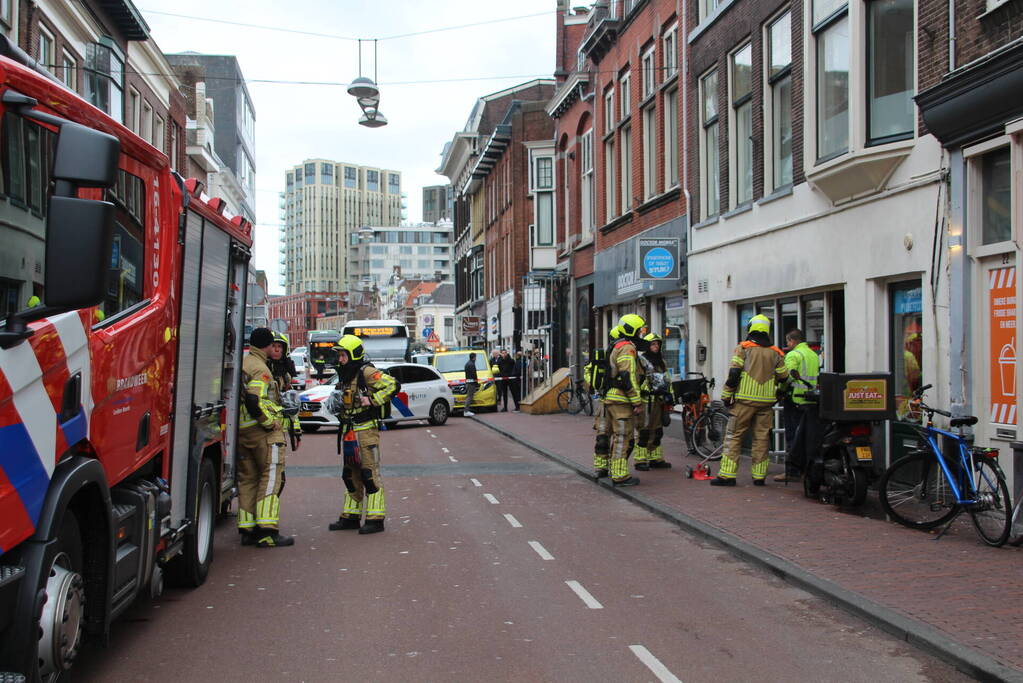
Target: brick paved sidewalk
[971, 593]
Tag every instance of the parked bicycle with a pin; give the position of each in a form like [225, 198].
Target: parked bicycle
[704, 421]
[574, 398]
[928, 487]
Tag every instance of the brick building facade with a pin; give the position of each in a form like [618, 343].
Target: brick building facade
[970, 80]
[618, 139]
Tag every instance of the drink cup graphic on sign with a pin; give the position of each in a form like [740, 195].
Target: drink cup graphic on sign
[1007, 368]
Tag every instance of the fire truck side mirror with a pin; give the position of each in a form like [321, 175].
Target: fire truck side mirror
[79, 233]
[85, 157]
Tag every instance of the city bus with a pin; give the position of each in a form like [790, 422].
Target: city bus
[382, 339]
[322, 356]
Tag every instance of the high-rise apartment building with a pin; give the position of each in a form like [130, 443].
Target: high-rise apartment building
[438, 203]
[325, 205]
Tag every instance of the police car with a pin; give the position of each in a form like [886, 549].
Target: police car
[424, 395]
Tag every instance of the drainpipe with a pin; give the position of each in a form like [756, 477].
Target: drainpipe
[684, 90]
[951, 35]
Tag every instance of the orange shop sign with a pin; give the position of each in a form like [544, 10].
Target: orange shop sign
[1002, 314]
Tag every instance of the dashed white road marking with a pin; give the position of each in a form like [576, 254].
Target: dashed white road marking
[514, 522]
[541, 551]
[433, 436]
[476, 482]
[490, 497]
[584, 595]
[452, 458]
[444, 449]
[654, 665]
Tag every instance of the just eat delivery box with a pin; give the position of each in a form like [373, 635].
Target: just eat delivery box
[850, 396]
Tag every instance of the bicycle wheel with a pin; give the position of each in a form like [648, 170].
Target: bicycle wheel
[992, 515]
[710, 434]
[587, 403]
[565, 401]
[915, 492]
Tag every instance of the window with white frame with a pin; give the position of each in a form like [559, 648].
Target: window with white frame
[625, 94]
[146, 132]
[5, 11]
[543, 199]
[741, 82]
[710, 177]
[990, 192]
[47, 50]
[158, 132]
[626, 167]
[580, 60]
[69, 70]
[707, 7]
[610, 189]
[669, 52]
[779, 108]
[172, 151]
[586, 185]
[831, 34]
[649, 73]
[609, 110]
[134, 110]
[649, 152]
[671, 138]
[890, 47]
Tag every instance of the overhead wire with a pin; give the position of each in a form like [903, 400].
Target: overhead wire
[335, 36]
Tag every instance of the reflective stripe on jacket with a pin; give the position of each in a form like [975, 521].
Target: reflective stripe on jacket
[762, 368]
[260, 383]
[803, 360]
[623, 362]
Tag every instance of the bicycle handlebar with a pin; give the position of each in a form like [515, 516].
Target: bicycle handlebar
[918, 395]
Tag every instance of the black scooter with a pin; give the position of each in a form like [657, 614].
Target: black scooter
[841, 465]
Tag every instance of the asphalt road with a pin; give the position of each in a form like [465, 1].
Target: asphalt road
[497, 565]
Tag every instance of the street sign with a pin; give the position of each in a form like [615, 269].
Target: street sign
[427, 332]
[432, 339]
[658, 258]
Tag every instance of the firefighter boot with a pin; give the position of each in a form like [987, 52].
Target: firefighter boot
[372, 526]
[345, 524]
[248, 536]
[270, 538]
[657, 460]
[722, 481]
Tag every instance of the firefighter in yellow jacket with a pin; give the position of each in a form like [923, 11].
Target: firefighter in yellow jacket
[364, 392]
[657, 402]
[623, 401]
[754, 375]
[592, 376]
[261, 449]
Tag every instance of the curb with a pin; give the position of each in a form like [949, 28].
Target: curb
[927, 638]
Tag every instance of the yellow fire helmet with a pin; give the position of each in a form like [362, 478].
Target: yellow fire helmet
[351, 345]
[616, 332]
[760, 323]
[282, 338]
[653, 337]
[630, 324]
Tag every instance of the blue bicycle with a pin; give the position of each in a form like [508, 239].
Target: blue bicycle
[928, 487]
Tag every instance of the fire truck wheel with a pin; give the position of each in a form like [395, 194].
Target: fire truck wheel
[60, 625]
[193, 564]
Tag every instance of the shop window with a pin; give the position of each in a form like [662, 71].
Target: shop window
[906, 307]
[789, 309]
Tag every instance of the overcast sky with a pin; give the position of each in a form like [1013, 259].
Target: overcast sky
[295, 122]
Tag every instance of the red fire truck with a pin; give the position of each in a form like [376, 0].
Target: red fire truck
[123, 292]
